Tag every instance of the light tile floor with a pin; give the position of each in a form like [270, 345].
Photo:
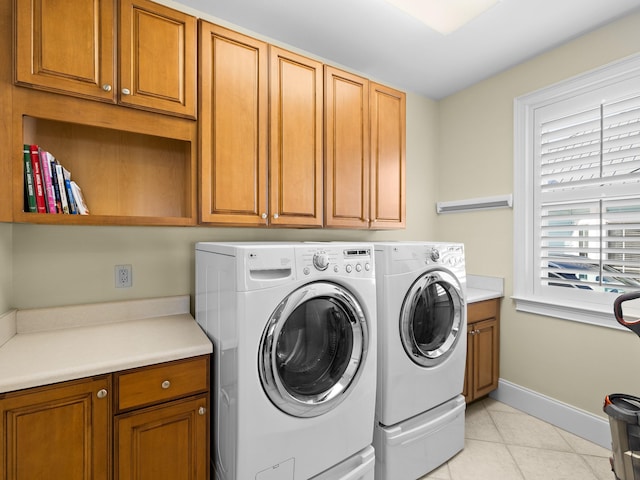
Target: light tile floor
[502, 443]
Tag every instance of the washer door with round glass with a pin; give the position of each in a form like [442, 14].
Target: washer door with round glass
[312, 349]
[431, 319]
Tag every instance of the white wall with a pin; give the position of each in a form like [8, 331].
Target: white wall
[571, 362]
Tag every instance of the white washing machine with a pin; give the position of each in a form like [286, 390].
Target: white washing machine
[294, 369]
[422, 344]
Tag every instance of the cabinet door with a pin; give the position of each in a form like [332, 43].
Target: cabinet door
[66, 46]
[347, 159]
[157, 58]
[485, 357]
[163, 443]
[388, 120]
[295, 161]
[57, 432]
[6, 78]
[483, 349]
[233, 127]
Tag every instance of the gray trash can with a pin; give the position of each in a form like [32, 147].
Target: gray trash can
[624, 420]
[624, 413]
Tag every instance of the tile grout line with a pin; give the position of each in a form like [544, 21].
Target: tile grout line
[515, 462]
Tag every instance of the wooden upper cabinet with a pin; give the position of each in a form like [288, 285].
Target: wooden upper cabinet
[158, 50]
[6, 79]
[295, 160]
[233, 127]
[70, 47]
[66, 46]
[388, 125]
[347, 165]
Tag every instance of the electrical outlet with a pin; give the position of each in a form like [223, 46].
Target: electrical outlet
[123, 276]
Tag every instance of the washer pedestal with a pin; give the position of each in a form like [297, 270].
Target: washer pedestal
[414, 447]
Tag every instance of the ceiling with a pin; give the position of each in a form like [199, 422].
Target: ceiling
[387, 45]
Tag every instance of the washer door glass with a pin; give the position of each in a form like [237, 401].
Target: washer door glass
[312, 349]
[431, 318]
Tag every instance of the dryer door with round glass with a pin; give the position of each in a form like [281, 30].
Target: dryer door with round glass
[312, 349]
[432, 318]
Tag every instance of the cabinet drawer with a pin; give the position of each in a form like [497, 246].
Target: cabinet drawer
[162, 382]
[482, 310]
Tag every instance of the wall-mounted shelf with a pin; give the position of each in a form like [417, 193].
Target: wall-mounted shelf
[471, 204]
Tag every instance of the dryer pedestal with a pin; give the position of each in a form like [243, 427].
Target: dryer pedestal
[413, 448]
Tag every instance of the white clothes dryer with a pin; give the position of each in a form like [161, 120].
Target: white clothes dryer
[294, 369]
[422, 343]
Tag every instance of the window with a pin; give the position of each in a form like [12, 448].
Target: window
[577, 194]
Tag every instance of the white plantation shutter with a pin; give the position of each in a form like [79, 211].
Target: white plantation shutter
[579, 174]
[589, 195]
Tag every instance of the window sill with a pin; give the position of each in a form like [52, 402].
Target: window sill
[591, 314]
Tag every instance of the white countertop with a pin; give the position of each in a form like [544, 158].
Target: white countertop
[481, 288]
[49, 345]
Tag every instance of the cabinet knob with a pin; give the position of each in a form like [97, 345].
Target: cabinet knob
[101, 393]
[166, 384]
[275, 215]
[106, 87]
[126, 91]
[264, 216]
[202, 411]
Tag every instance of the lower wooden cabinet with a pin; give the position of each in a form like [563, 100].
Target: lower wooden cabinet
[168, 442]
[143, 424]
[60, 431]
[483, 349]
[160, 426]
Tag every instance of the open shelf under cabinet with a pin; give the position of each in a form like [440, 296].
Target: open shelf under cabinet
[127, 177]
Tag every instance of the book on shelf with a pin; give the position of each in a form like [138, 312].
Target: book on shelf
[79, 199]
[48, 186]
[67, 183]
[45, 169]
[55, 183]
[37, 179]
[61, 188]
[30, 193]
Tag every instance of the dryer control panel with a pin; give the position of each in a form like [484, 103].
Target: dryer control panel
[331, 259]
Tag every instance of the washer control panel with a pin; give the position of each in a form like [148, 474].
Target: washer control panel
[336, 259]
[447, 255]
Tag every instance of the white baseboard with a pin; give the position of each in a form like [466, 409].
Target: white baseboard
[564, 416]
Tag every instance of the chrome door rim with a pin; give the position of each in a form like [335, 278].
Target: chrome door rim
[311, 405]
[430, 358]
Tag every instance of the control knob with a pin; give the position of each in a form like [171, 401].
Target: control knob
[435, 254]
[321, 261]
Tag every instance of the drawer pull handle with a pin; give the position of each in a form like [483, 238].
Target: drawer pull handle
[202, 411]
[166, 384]
[101, 393]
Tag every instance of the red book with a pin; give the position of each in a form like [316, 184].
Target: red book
[38, 182]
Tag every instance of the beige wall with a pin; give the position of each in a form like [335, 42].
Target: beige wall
[6, 267]
[58, 265]
[568, 361]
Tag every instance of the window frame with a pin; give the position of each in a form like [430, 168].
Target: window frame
[597, 310]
